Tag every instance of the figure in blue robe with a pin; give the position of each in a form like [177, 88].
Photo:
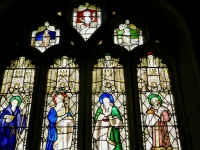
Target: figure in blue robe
[53, 121]
[12, 123]
[52, 131]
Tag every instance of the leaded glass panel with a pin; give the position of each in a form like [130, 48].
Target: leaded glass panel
[86, 19]
[158, 117]
[109, 113]
[60, 123]
[15, 104]
[128, 36]
[45, 37]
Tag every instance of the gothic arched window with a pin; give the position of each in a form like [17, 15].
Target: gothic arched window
[15, 104]
[109, 110]
[158, 115]
[85, 99]
[60, 123]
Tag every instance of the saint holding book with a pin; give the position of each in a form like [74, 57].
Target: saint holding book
[11, 124]
[108, 122]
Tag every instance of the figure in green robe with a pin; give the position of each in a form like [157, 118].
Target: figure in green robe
[128, 36]
[108, 121]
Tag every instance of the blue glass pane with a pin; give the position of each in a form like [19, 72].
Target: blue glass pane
[39, 35]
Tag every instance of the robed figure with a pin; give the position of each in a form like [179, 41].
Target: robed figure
[46, 38]
[157, 118]
[128, 35]
[60, 129]
[12, 124]
[108, 121]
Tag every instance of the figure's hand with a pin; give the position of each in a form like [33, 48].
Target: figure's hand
[107, 114]
[117, 122]
[151, 112]
[64, 116]
[101, 116]
[69, 119]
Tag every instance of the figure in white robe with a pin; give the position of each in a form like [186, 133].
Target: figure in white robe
[108, 121]
[46, 38]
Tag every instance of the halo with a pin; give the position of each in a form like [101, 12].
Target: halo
[16, 98]
[154, 96]
[106, 95]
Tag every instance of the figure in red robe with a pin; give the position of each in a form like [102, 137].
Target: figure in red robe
[157, 118]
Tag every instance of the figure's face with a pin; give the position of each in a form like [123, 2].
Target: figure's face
[60, 102]
[14, 103]
[126, 29]
[155, 103]
[106, 101]
[86, 14]
[46, 31]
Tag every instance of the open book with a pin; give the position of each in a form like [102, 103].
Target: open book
[115, 122]
[9, 118]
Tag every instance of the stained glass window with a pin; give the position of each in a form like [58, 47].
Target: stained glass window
[59, 129]
[128, 36]
[45, 37]
[15, 103]
[158, 117]
[86, 19]
[110, 129]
